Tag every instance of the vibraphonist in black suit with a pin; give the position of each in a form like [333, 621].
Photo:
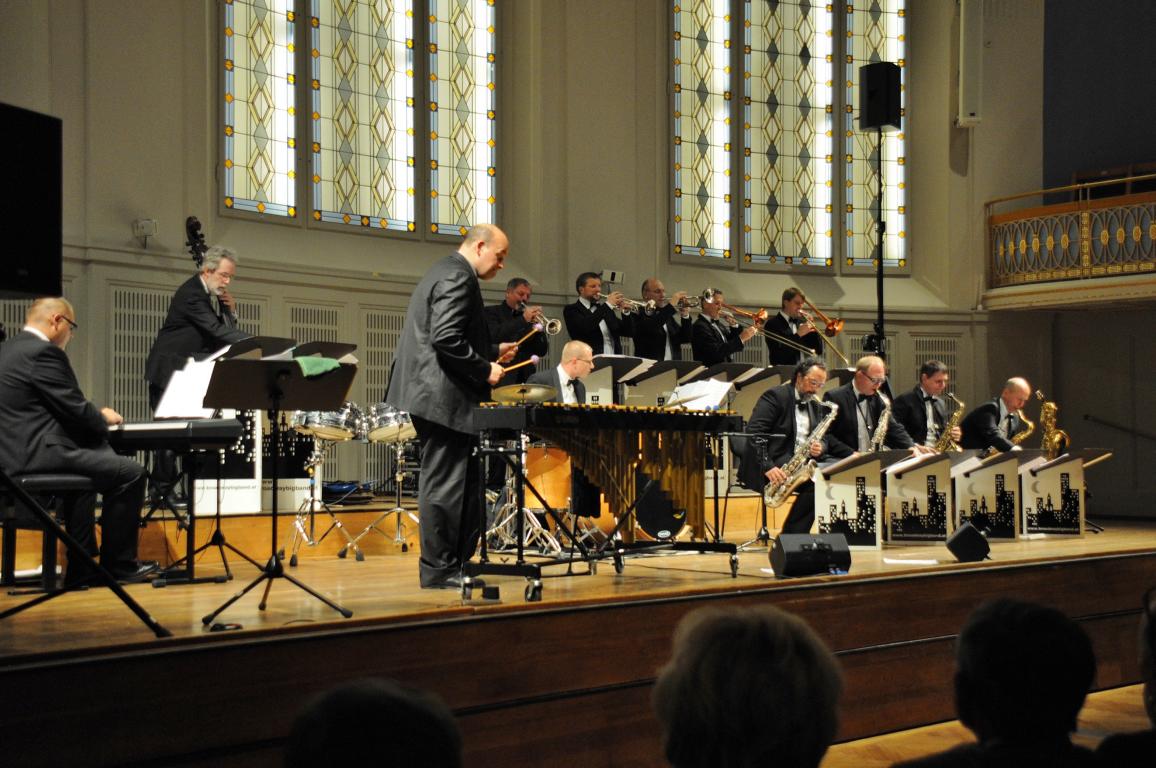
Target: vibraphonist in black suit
[49, 427]
[442, 369]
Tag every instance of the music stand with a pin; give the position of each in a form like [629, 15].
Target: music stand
[274, 386]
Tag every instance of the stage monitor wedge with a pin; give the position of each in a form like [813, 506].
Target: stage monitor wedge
[31, 228]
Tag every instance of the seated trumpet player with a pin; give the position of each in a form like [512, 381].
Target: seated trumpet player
[716, 335]
[660, 334]
[923, 411]
[998, 423]
[512, 320]
[787, 428]
[865, 422]
[593, 319]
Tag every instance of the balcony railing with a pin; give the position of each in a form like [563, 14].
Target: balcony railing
[1085, 238]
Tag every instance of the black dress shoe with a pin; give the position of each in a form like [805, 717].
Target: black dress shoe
[449, 582]
[133, 574]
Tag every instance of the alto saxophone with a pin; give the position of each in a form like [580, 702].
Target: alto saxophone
[1055, 440]
[880, 433]
[945, 443]
[801, 466]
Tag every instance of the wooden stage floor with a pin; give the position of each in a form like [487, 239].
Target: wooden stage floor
[515, 672]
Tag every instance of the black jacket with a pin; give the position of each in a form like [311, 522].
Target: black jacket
[650, 338]
[582, 325]
[708, 347]
[191, 328]
[908, 410]
[981, 428]
[782, 354]
[844, 433]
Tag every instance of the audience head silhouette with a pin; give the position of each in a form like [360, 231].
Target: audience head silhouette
[340, 727]
[1022, 672]
[747, 687]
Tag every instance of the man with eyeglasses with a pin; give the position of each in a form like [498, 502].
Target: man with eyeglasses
[782, 420]
[49, 427]
[566, 379]
[201, 319]
[860, 410]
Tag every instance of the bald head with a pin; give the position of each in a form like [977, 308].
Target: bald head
[577, 359]
[1016, 392]
[54, 317]
[485, 247]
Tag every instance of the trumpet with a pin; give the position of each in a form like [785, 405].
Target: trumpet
[631, 305]
[689, 302]
[550, 325]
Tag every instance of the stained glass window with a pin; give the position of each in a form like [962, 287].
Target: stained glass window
[807, 177]
[462, 113]
[876, 33]
[787, 133]
[702, 128]
[362, 119]
[259, 137]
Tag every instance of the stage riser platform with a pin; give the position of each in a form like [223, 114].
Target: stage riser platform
[563, 684]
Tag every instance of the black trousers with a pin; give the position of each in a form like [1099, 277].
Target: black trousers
[447, 500]
[802, 514]
[120, 482]
[163, 475]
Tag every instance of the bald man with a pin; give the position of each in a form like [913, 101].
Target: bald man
[47, 426]
[993, 424]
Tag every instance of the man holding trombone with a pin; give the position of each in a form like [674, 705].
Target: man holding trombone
[791, 323]
[716, 336]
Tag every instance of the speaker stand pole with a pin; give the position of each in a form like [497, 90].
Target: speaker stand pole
[877, 343]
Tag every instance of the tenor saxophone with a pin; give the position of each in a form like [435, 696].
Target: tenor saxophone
[1023, 434]
[880, 433]
[801, 466]
[945, 443]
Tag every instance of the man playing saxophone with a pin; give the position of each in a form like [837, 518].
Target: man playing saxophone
[923, 411]
[995, 424]
[782, 422]
[865, 421]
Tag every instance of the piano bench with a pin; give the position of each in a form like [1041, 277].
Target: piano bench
[14, 516]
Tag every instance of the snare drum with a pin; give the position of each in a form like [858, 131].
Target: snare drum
[387, 424]
[304, 421]
[337, 426]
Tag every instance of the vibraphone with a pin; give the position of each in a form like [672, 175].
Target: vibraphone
[612, 443]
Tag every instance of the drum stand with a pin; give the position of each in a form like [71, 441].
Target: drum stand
[503, 535]
[399, 536]
[308, 511]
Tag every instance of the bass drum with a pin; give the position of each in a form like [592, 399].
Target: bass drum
[655, 514]
[548, 470]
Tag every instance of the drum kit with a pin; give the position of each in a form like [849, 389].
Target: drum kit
[383, 424]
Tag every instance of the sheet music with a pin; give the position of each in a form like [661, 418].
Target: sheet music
[185, 394]
[704, 395]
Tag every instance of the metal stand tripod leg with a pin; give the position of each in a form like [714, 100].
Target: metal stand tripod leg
[399, 537]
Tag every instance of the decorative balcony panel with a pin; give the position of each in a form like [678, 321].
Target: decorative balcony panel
[1071, 241]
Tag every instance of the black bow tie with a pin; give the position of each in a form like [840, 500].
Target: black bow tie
[861, 398]
[928, 399]
[570, 383]
[803, 405]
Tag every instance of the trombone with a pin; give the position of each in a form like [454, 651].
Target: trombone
[756, 318]
[827, 332]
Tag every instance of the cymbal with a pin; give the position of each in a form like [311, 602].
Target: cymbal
[524, 393]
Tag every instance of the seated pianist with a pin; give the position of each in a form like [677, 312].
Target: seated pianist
[51, 428]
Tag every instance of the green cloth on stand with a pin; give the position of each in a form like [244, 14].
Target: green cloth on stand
[316, 366]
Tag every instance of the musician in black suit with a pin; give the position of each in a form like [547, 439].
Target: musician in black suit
[713, 339]
[994, 423]
[199, 322]
[791, 411]
[922, 411]
[566, 379]
[49, 427]
[791, 324]
[592, 318]
[860, 409]
[511, 320]
[443, 368]
[660, 335]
